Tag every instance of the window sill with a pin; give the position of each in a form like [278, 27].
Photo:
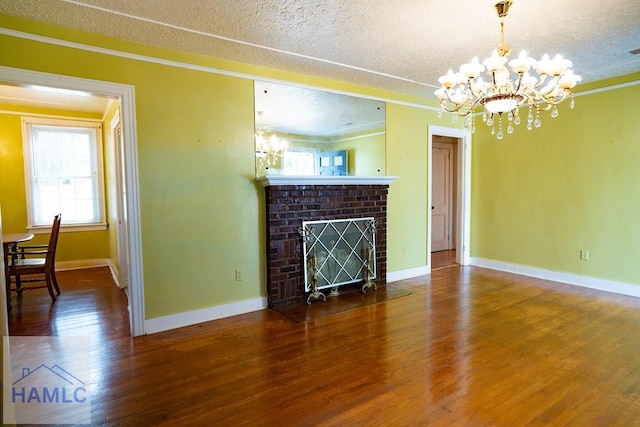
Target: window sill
[68, 228]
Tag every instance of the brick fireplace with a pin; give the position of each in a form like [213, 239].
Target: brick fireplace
[291, 200]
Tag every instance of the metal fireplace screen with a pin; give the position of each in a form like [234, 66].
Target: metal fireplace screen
[338, 252]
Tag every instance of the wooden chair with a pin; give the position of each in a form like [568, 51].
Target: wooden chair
[22, 264]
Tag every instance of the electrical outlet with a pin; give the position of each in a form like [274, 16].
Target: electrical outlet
[584, 255]
[238, 275]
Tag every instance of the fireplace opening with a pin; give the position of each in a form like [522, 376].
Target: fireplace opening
[338, 252]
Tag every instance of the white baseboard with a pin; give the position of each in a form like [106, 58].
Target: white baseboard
[83, 263]
[557, 276]
[410, 273]
[115, 274]
[90, 263]
[179, 320]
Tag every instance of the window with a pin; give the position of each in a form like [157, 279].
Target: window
[299, 162]
[63, 173]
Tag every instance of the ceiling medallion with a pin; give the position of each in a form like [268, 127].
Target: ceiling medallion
[508, 89]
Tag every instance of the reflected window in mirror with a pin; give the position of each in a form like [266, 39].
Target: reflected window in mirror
[299, 162]
[296, 126]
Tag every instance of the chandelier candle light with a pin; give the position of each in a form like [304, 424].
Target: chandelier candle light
[508, 89]
[268, 150]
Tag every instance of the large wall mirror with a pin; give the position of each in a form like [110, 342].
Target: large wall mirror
[302, 131]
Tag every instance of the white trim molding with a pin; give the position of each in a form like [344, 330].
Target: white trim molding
[562, 277]
[179, 320]
[410, 273]
[325, 180]
[82, 263]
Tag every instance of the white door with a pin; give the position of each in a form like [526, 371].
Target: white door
[441, 197]
[121, 201]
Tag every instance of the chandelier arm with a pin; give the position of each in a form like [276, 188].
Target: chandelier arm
[552, 88]
[557, 100]
[458, 105]
[543, 78]
[475, 103]
[446, 92]
[456, 110]
[539, 107]
[544, 104]
[520, 76]
[475, 95]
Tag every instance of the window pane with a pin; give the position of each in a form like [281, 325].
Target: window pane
[299, 163]
[84, 210]
[64, 174]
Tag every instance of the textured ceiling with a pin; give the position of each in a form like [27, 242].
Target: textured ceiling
[398, 45]
[57, 99]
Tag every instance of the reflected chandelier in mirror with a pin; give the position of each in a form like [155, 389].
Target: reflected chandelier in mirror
[303, 131]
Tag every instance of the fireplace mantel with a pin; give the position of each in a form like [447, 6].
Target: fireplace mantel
[269, 180]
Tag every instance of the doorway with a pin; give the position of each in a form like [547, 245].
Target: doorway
[448, 197]
[132, 240]
[443, 201]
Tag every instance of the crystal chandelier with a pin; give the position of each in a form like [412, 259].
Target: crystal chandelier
[507, 88]
[268, 150]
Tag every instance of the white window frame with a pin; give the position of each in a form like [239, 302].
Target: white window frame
[304, 150]
[27, 123]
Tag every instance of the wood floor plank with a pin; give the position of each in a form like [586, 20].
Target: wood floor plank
[467, 347]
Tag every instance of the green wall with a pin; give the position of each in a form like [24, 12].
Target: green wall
[540, 197]
[366, 152]
[407, 211]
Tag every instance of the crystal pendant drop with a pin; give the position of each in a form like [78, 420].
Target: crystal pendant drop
[517, 120]
[572, 103]
[500, 134]
[530, 117]
[439, 114]
[493, 131]
[509, 129]
[454, 118]
[537, 123]
[490, 121]
[529, 126]
[554, 112]
[484, 117]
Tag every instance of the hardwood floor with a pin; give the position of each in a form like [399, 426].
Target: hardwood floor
[90, 304]
[443, 259]
[469, 346]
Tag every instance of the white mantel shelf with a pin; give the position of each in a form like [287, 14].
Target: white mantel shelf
[268, 180]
